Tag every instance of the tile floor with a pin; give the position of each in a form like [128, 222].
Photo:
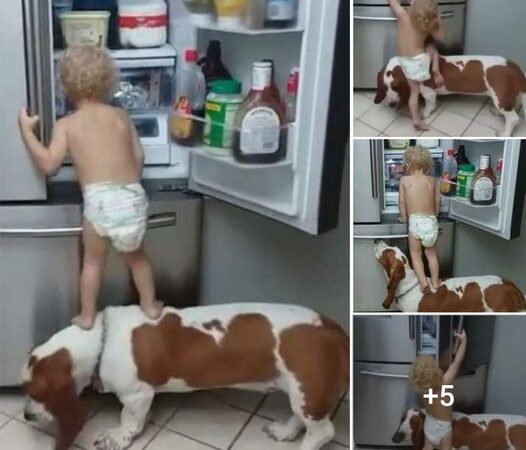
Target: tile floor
[455, 116]
[220, 420]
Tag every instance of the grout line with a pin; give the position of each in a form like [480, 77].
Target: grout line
[7, 421]
[192, 438]
[252, 414]
[159, 429]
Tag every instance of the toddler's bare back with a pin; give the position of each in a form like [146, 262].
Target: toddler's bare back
[101, 142]
[420, 194]
[411, 42]
[437, 409]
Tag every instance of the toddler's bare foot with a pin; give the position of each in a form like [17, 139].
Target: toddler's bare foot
[435, 284]
[439, 79]
[421, 126]
[152, 310]
[84, 321]
[424, 288]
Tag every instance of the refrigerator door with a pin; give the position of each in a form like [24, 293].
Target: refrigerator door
[303, 190]
[367, 181]
[503, 218]
[382, 394]
[384, 338]
[40, 261]
[372, 289]
[19, 180]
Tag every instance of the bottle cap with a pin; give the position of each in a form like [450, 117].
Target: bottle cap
[190, 55]
[226, 86]
[467, 168]
[484, 161]
[293, 81]
[451, 152]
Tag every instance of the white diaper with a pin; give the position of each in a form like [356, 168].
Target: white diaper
[118, 212]
[435, 430]
[425, 228]
[416, 68]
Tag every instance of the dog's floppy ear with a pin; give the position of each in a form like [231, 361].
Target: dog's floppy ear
[417, 436]
[397, 274]
[64, 404]
[381, 88]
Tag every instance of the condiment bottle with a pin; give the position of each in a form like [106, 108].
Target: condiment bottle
[465, 177]
[259, 136]
[461, 156]
[483, 190]
[498, 174]
[291, 95]
[212, 66]
[273, 87]
[190, 97]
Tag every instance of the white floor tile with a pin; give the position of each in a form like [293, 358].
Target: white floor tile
[520, 129]
[450, 123]
[208, 420]
[165, 405]
[479, 130]
[341, 424]
[254, 438]
[379, 117]
[371, 93]
[401, 127]
[167, 439]
[362, 130]
[361, 104]
[4, 419]
[432, 133]
[103, 421]
[490, 118]
[276, 407]
[18, 436]
[465, 105]
[246, 400]
[12, 402]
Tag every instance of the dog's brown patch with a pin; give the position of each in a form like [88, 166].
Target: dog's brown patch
[171, 350]
[468, 78]
[508, 81]
[517, 436]
[52, 384]
[505, 297]
[470, 435]
[445, 300]
[416, 423]
[307, 348]
[395, 270]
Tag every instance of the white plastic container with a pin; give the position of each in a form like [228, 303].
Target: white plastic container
[85, 27]
[142, 23]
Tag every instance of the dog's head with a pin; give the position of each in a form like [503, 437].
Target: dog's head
[392, 83]
[411, 429]
[395, 265]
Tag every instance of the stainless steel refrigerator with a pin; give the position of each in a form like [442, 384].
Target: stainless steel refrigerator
[384, 349]
[375, 36]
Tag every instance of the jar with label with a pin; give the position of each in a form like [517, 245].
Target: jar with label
[222, 104]
[465, 176]
[260, 136]
[484, 190]
[281, 13]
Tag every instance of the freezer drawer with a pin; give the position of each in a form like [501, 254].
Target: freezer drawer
[372, 289]
[39, 276]
[375, 38]
[382, 393]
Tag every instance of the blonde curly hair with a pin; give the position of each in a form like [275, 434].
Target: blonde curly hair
[418, 158]
[86, 73]
[425, 374]
[424, 15]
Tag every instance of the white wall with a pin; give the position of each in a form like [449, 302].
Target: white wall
[247, 257]
[496, 27]
[506, 391]
[480, 253]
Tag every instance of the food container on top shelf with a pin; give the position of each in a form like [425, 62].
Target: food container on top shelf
[85, 27]
[142, 23]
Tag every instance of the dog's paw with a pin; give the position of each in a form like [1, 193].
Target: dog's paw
[281, 431]
[426, 112]
[113, 439]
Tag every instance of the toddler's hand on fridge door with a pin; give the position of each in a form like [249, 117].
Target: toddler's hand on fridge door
[26, 122]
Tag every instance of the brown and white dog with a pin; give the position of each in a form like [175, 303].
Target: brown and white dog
[260, 347]
[494, 76]
[470, 432]
[487, 293]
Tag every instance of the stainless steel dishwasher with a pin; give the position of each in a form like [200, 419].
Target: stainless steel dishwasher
[375, 36]
[41, 260]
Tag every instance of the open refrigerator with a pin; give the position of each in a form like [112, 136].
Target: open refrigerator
[41, 219]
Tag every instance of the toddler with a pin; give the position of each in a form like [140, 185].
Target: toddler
[107, 155]
[425, 374]
[415, 26]
[419, 203]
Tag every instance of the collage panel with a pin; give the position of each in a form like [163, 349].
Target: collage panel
[439, 225]
[428, 381]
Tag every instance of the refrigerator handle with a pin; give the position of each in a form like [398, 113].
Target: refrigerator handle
[412, 327]
[39, 60]
[161, 220]
[383, 375]
[374, 169]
